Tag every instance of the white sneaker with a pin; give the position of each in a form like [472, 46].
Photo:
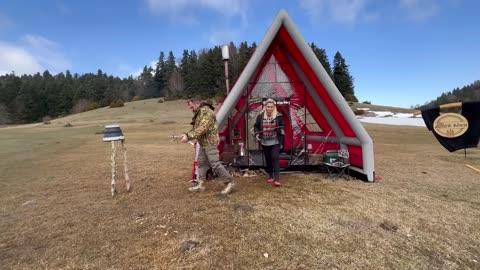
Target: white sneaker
[228, 188]
[196, 188]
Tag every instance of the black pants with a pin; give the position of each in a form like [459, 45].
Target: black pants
[272, 154]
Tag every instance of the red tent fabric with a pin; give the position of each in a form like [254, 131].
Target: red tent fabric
[317, 117]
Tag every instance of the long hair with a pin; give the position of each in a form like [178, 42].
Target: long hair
[270, 101]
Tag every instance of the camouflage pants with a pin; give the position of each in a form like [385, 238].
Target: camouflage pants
[209, 157]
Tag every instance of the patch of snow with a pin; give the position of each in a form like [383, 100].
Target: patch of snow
[403, 115]
[389, 118]
[383, 114]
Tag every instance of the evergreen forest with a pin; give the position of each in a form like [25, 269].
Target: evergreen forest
[469, 92]
[26, 98]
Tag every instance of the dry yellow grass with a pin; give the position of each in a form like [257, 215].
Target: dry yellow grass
[56, 211]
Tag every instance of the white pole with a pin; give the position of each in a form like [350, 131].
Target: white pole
[225, 57]
[113, 168]
[125, 168]
[226, 77]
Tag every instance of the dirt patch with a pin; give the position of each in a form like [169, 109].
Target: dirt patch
[168, 122]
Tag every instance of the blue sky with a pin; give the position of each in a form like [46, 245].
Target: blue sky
[400, 52]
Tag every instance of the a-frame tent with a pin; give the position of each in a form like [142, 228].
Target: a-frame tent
[284, 66]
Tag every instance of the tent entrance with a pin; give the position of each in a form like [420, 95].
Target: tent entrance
[293, 109]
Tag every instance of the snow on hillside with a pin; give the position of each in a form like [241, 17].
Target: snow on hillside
[390, 118]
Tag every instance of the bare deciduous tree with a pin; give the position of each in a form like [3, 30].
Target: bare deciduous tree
[176, 84]
[80, 106]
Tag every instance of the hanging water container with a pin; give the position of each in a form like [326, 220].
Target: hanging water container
[112, 133]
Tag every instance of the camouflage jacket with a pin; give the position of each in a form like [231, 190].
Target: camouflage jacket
[205, 128]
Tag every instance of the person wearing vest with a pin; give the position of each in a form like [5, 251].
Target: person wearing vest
[205, 131]
[269, 131]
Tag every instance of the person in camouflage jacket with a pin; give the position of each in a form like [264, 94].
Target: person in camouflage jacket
[205, 131]
[205, 128]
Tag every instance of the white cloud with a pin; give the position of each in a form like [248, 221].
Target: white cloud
[219, 38]
[124, 68]
[49, 53]
[39, 42]
[153, 65]
[186, 11]
[18, 60]
[341, 11]
[34, 54]
[353, 11]
[420, 9]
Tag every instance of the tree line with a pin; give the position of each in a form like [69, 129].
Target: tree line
[31, 98]
[469, 92]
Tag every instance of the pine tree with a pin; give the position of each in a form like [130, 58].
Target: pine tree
[187, 72]
[160, 78]
[322, 56]
[243, 57]
[206, 73]
[29, 106]
[131, 87]
[170, 69]
[218, 72]
[342, 78]
[147, 84]
[232, 63]
[251, 50]
[100, 86]
[194, 81]
[53, 95]
[9, 89]
[67, 93]
[80, 88]
[114, 90]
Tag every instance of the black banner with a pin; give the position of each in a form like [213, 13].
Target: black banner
[471, 111]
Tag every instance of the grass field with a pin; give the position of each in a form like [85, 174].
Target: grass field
[56, 211]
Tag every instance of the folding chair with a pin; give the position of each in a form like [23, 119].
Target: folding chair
[340, 165]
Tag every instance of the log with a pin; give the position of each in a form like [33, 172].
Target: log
[473, 168]
[451, 105]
